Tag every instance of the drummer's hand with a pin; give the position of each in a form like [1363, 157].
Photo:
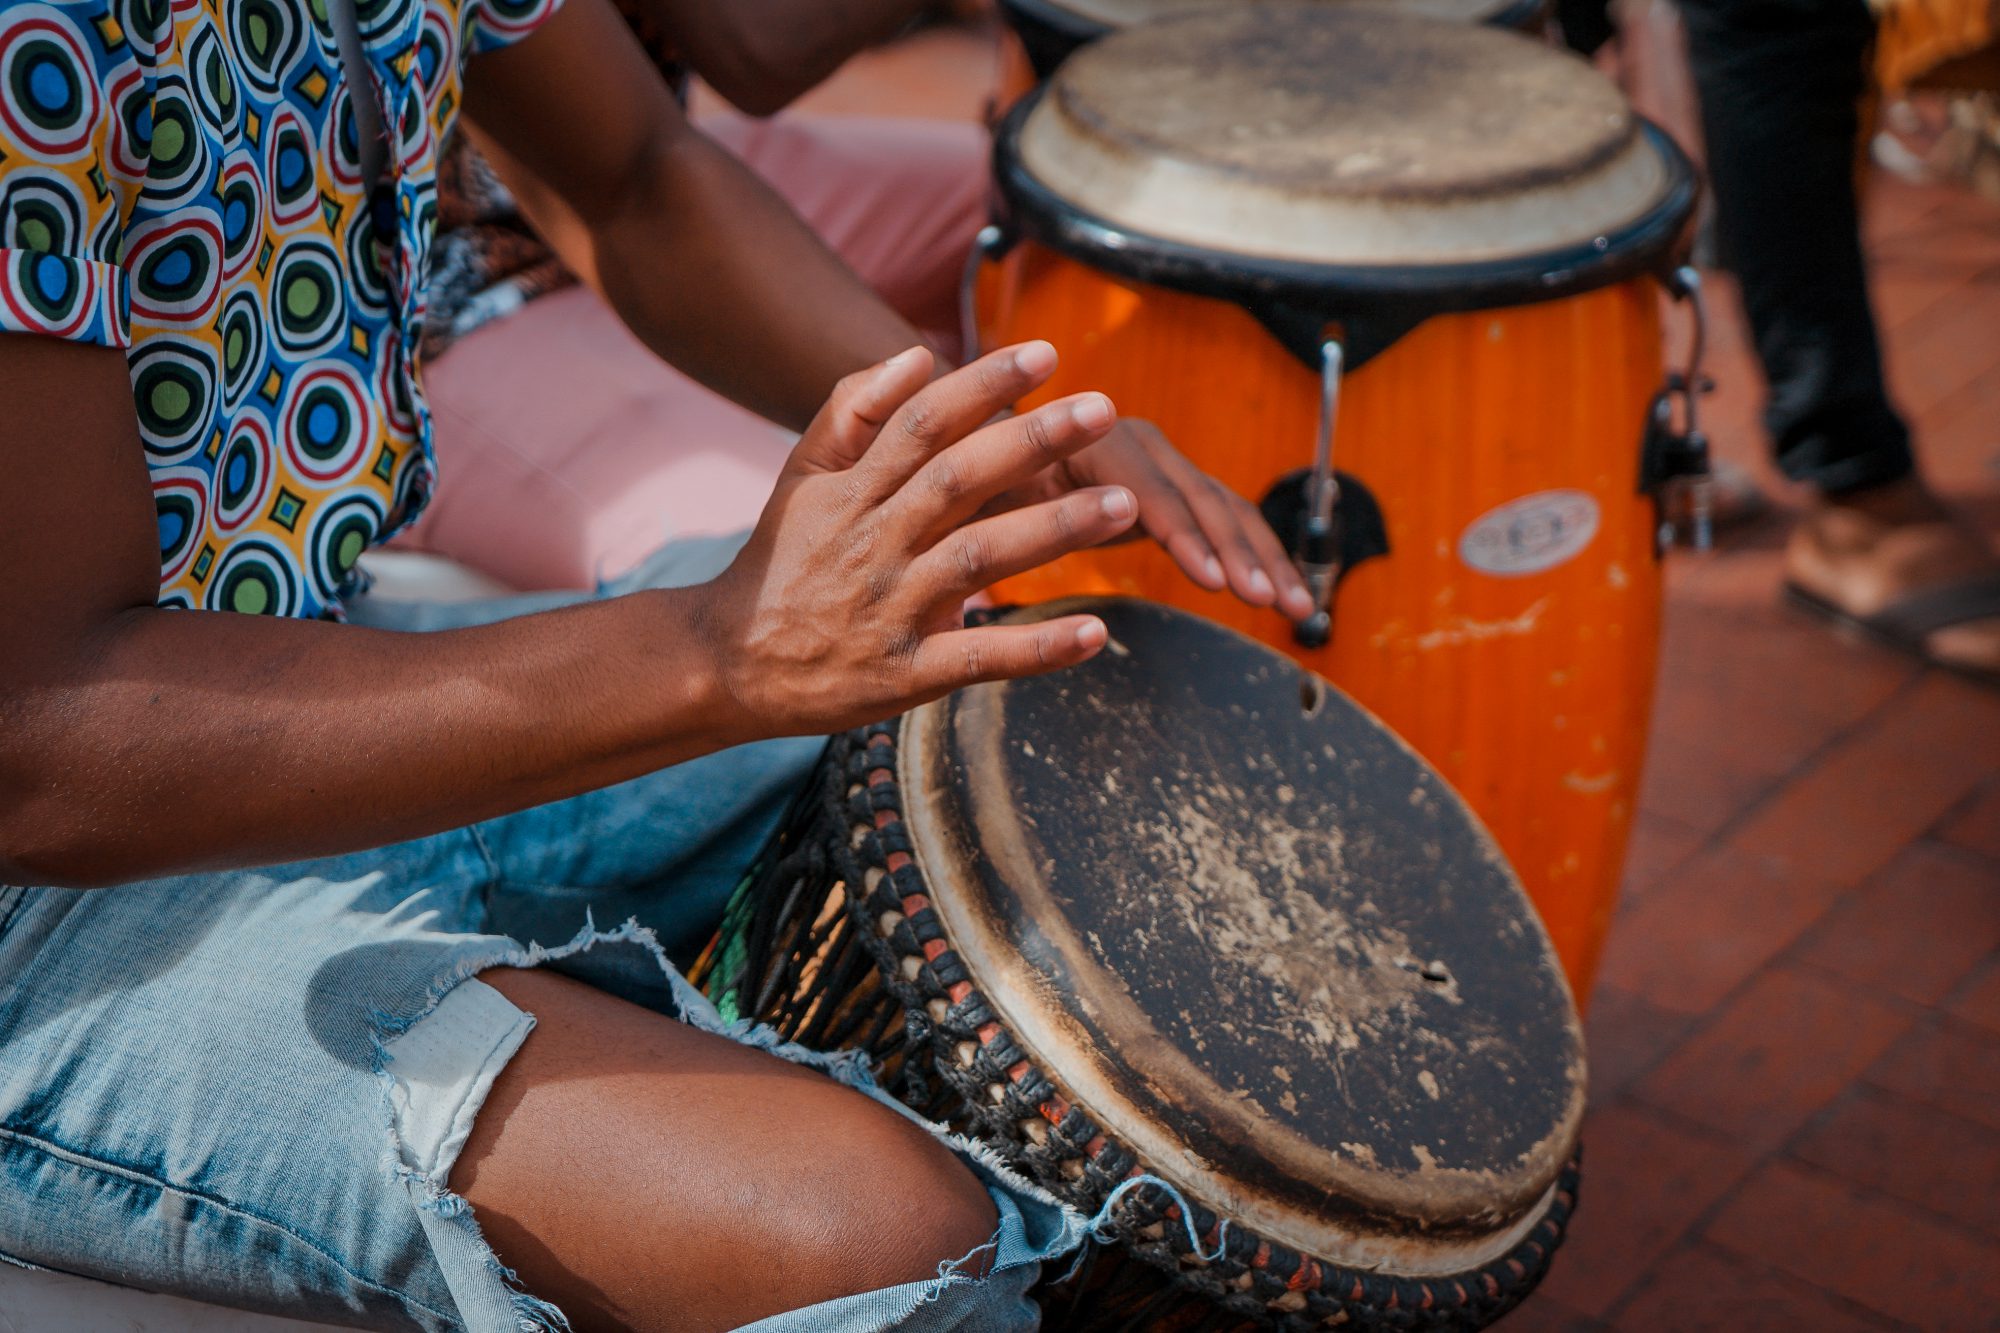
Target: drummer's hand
[1218, 538]
[845, 605]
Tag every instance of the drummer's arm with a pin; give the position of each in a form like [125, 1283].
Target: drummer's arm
[701, 259]
[761, 54]
[138, 742]
[720, 278]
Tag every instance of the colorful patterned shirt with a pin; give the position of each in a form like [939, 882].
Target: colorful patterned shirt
[181, 179]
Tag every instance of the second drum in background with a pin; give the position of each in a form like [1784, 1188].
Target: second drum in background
[1194, 209]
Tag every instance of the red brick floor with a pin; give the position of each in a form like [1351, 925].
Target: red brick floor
[1796, 1039]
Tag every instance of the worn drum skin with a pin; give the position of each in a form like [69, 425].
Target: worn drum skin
[1191, 207]
[1185, 913]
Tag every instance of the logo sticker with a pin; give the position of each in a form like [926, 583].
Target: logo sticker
[1531, 534]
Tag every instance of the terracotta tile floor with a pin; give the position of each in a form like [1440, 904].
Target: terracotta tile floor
[1796, 1039]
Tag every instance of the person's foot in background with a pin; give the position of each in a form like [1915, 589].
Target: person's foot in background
[1894, 561]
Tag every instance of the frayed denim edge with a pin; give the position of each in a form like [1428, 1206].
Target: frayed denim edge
[499, 1303]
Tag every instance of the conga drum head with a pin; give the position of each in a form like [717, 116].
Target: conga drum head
[1267, 147]
[1267, 949]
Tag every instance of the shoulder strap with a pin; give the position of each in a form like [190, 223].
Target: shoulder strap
[363, 93]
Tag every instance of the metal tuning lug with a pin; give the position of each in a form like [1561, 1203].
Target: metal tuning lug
[1675, 467]
[1317, 552]
[991, 242]
[1697, 496]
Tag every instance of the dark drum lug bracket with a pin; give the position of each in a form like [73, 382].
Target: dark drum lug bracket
[1674, 465]
[1301, 329]
[1358, 530]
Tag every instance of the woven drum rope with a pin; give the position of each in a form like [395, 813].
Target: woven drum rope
[955, 1061]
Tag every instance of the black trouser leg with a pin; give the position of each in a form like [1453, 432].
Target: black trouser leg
[1780, 83]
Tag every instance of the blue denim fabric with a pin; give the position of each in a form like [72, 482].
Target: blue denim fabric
[192, 1091]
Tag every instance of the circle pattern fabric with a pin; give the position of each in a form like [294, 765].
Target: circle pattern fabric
[182, 181]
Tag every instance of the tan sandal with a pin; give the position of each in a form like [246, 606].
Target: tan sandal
[1907, 623]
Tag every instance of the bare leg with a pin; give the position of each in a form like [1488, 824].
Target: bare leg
[644, 1174]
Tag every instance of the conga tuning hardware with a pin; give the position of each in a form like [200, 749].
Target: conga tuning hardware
[1318, 549]
[1674, 462]
[991, 242]
[1357, 530]
[1302, 328]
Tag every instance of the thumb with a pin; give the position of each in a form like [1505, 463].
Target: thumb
[857, 409]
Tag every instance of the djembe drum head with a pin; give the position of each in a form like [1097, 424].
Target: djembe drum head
[1258, 938]
[1186, 914]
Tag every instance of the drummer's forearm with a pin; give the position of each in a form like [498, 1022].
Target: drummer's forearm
[761, 54]
[710, 268]
[716, 273]
[153, 742]
[137, 741]
[703, 261]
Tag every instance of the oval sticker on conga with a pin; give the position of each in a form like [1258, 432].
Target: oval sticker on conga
[1531, 534]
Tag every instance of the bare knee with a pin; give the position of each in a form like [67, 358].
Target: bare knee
[643, 1174]
[839, 1194]
[895, 1204]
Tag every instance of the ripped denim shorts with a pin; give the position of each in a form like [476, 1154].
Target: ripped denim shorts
[249, 1088]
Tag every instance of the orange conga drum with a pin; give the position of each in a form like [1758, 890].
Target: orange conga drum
[1436, 250]
[1040, 34]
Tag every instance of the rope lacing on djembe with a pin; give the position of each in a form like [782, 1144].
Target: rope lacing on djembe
[851, 822]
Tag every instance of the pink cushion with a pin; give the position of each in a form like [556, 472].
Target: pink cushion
[567, 450]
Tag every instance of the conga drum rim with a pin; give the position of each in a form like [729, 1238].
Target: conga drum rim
[1380, 936]
[1183, 204]
[1646, 244]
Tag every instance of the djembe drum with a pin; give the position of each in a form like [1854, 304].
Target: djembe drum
[1042, 33]
[1400, 281]
[1187, 917]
